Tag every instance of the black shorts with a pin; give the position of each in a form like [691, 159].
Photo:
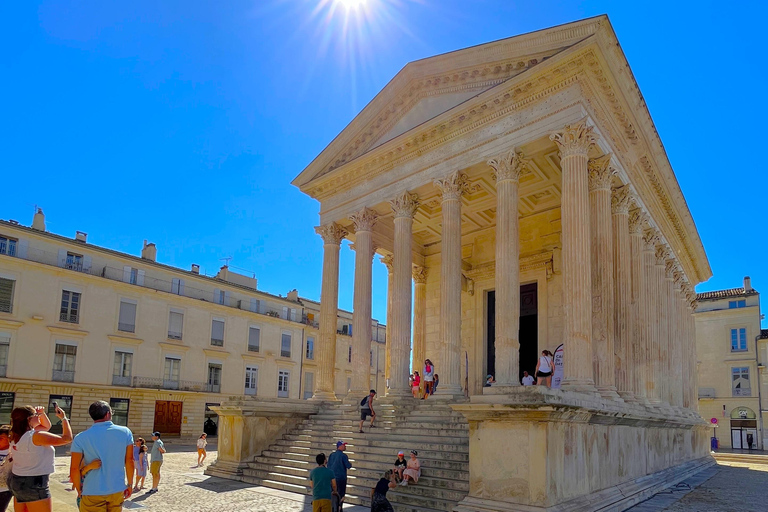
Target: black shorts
[543, 374]
[364, 413]
[29, 488]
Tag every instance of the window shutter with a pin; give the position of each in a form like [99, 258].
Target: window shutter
[294, 315]
[127, 314]
[126, 272]
[87, 262]
[62, 258]
[285, 313]
[217, 330]
[226, 299]
[140, 278]
[255, 305]
[181, 287]
[216, 296]
[175, 322]
[21, 249]
[254, 337]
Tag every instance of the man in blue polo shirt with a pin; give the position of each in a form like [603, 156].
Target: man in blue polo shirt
[105, 488]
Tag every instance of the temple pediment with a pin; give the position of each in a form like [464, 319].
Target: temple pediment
[427, 88]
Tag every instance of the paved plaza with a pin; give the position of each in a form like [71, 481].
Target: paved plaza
[729, 486]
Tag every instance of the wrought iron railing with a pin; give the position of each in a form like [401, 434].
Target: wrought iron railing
[214, 388]
[180, 385]
[69, 317]
[173, 335]
[117, 380]
[63, 376]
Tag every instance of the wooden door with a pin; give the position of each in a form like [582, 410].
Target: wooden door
[168, 417]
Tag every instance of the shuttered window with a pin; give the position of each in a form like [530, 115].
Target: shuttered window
[217, 333]
[254, 339]
[6, 295]
[127, 320]
[175, 325]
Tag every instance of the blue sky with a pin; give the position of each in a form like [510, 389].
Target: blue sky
[184, 122]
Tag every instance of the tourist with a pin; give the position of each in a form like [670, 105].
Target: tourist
[379, 501]
[413, 469]
[339, 463]
[489, 380]
[136, 455]
[202, 442]
[33, 452]
[158, 449]
[366, 409]
[5, 449]
[112, 444]
[435, 383]
[323, 484]
[544, 369]
[527, 379]
[429, 378]
[400, 465]
[141, 468]
[415, 385]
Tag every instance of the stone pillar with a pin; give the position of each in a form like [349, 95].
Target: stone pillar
[419, 319]
[603, 358]
[693, 384]
[669, 367]
[639, 333]
[678, 349]
[451, 188]
[622, 293]
[388, 262]
[506, 171]
[404, 206]
[574, 142]
[361, 313]
[329, 303]
[650, 299]
[661, 368]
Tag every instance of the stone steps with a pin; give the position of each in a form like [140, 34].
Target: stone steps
[438, 478]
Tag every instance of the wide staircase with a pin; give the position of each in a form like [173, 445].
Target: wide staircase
[431, 427]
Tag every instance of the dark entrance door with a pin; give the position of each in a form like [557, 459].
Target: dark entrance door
[168, 417]
[529, 329]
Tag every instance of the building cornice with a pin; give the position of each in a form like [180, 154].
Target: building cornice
[125, 339]
[67, 331]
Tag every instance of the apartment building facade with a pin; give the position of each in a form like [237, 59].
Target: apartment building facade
[732, 351]
[79, 322]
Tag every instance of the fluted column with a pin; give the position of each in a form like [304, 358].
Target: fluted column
[574, 142]
[332, 235]
[361, 313]
[670, 370]
[603, 358]
[622, 293]
[639, 333]
[678, 349]
[693, 384]
[506, 171]
[388, 262]
[650, 299]
[419, 318]
[661, 369]
[404, 206]
[451, 188]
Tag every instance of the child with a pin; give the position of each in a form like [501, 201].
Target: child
[416, 382]
[141, 468]
[136, 453]
[84, 470]
[399, 467]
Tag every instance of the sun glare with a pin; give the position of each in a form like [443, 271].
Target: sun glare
[351, 4]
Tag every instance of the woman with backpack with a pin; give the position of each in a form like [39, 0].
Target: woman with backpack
[366, 409]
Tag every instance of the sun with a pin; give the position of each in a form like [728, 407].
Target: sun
[352, 4]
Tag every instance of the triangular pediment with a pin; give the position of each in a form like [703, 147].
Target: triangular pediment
[427, 88]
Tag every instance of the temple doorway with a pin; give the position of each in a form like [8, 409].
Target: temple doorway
[529, 330]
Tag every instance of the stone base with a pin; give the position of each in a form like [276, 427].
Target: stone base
[613, 499]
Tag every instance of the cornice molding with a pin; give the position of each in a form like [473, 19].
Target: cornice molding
[125, 339]
[173, 346]
[67, 331]
[10, 324]
[534, 262]
[216, 352]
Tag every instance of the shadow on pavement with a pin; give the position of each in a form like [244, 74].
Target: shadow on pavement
[219, 485]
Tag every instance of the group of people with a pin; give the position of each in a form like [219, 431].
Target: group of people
[105, 460]
[431, 380]
[545, 366]
[328, 480]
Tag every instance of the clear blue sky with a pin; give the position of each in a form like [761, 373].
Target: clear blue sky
[184, 122]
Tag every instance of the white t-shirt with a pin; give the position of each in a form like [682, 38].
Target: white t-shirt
[544, 364]
[3, 456]
[30, 459]
[201, 443]
[528, 381]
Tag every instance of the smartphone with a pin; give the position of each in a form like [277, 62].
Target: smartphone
[55, 406]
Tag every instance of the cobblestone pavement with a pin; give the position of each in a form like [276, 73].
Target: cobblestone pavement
[185, 488]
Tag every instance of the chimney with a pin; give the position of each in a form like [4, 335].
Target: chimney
[80, 236]
[293, 295]
[747, 284]
[195, 268]
[38, 221]
[149, 251]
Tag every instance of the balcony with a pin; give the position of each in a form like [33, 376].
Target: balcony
[63, 376]
[177, 385]
[173, 335]
[121, 381]
[217, 342]
[250, 391]
[213, 388]
[126, 327]
[69, 317]
[77, 266]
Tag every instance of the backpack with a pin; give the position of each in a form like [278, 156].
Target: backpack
[364, 401]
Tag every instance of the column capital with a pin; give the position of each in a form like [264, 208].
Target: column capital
[508, 166]
[364, 219]
[620, 198]
[574, 139]
[601, 172]
[670, 267]
[331, 233]
[650, 239]
[420, 274]
[404, 205]
[680, 280]
[662, 253]
[388, 262]
[637, 219]
[452, 186]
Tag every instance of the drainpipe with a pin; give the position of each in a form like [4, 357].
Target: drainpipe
[759, 394]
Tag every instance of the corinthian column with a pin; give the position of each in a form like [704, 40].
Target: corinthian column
[361, 313]
[419, 318]
[622, 293]
[404, 206]
[574, 142]
[506, 171]
[603, 358]
[651, 298]
[693, 382]
[452, 188]
[332, 235]
[388, 262]
[661, 369]
[639, 333]
[679, 364]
